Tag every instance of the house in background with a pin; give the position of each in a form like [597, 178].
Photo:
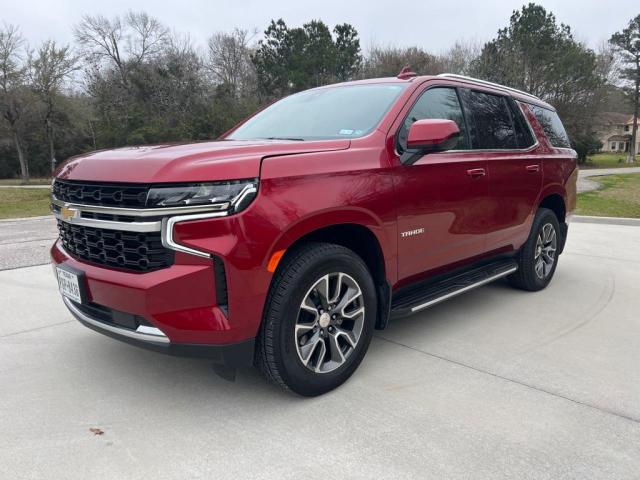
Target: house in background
[614, 131]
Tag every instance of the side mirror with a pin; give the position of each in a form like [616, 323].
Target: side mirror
[432, 135]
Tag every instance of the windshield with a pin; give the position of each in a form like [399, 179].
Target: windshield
[336, 112]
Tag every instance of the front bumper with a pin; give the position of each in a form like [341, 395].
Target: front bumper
[177, 307]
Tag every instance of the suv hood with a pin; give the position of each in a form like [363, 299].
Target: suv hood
[196, 162]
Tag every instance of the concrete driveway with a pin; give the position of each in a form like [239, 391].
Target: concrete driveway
[496, 383]
[587, 182]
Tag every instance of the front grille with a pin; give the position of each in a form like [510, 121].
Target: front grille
[105, 194]
[141, 252]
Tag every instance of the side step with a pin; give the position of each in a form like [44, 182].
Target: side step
[417, 297]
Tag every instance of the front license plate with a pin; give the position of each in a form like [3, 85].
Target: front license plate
[69, 284]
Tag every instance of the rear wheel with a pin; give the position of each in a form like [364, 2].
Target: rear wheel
[318, 319]
[538, 257]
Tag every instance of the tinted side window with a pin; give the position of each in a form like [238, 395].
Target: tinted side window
[524, 137]
[552, 126]
[435, 103]
[492, 120]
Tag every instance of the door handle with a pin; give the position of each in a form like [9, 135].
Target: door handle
[476, 172]
[532, 168]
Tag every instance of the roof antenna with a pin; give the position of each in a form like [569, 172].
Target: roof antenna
[406, 73]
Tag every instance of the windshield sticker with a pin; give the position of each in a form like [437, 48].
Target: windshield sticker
[345, 131]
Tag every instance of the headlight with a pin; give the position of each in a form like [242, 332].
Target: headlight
[236, 194]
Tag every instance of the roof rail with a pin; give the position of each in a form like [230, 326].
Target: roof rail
[484, 82]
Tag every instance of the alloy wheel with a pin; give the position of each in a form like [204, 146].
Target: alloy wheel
[329, 323]
[546, 246]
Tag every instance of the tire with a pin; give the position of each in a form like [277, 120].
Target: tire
[293, 331]
[538, 257]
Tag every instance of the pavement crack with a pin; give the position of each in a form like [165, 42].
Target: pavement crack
[18, 267]
[511, 380]
[35, 329]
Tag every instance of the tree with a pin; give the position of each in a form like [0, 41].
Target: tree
[229, 61]
[12, 91]
[388, 61]
[538, 55]
[118, 53]
[459, 58]
[292, 59]
[49, 68]
[627, 43]
[348, 56]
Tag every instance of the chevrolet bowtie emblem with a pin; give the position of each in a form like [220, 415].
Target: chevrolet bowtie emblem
[67, 213]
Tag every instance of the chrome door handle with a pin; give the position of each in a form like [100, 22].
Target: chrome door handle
[532, 168]
[476, 172]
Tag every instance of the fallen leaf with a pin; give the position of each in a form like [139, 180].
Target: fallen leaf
[96, 431]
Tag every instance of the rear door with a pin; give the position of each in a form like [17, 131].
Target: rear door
[499, 128]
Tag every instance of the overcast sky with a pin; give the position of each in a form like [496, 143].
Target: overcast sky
[433, 25]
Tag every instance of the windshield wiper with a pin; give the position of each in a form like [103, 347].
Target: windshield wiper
[285, 138]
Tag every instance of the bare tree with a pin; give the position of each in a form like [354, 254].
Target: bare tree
[101, 39]
[388, 61]
[147, 36]
[121, 42]
[49, 68]
[230, 60]
[12, 87]
[459, 57]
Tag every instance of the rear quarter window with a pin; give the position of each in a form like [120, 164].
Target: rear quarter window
[552, 126]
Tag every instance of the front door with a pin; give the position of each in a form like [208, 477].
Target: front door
[442, 197]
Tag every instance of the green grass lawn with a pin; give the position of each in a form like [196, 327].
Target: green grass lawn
[24, 202]
[618, 197]
[17, 181]
[609, 160]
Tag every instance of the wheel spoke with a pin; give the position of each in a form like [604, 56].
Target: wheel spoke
[347, 336]
[302, 328]
[321, 355]
[348, 298]
[334, 348]
[351, 315]
[540, 268]
[308, 349]
[338, 287]
[309, 306]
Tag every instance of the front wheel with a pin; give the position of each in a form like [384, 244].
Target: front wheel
[318, 319]
[538, 257]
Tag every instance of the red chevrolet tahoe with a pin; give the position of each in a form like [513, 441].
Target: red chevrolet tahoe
[285, 243]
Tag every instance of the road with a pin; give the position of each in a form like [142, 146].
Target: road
[497, 383]
[25, 242]
[586, 182]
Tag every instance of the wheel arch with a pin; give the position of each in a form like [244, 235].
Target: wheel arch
[555, 201]
[358, 232]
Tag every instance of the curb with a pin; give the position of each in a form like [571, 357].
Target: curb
[606, 220]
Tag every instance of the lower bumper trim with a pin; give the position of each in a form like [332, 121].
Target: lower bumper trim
[142, 333]
[233, 354]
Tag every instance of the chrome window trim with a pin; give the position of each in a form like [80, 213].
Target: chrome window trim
[470, 150]
[143, 333]
[141, 212]
[167, 232]
[487, 83]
